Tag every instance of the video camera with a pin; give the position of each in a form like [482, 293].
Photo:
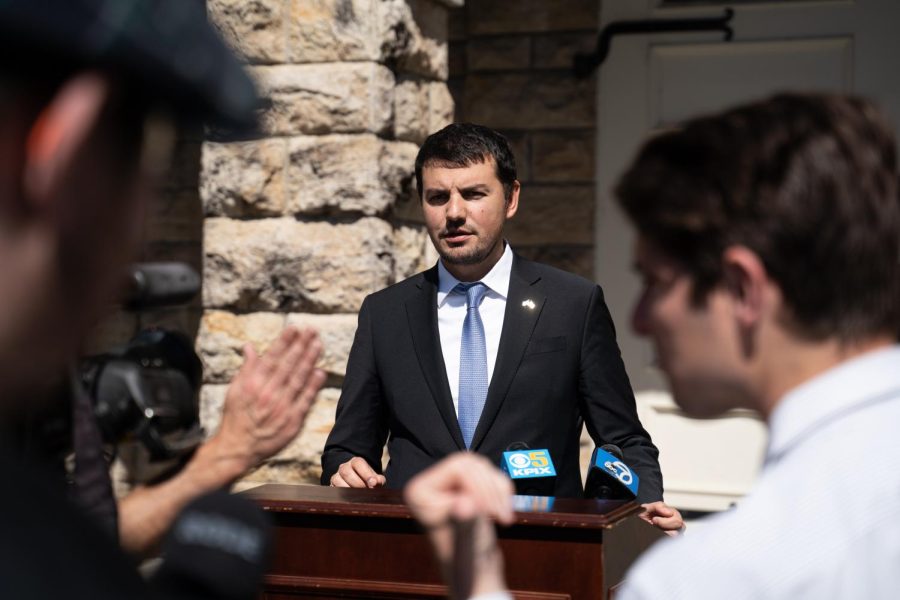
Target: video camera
[147, 390]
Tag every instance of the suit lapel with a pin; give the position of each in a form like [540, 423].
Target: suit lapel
[524, 303]
[421, 312]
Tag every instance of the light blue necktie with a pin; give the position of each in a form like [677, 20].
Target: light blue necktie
[473, 377]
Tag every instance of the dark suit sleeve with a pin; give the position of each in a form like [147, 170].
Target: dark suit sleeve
[360, 427]
[608, 403]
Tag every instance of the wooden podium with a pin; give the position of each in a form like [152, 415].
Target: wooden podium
[345, 543]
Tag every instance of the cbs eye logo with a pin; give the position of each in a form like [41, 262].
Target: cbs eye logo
[519, 460]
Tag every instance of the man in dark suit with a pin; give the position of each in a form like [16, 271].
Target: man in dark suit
[522, 358]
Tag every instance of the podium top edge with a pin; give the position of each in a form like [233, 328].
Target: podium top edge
[388, 504]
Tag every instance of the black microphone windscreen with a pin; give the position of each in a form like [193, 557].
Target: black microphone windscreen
[217, 549]
[614, 450]
[517, 446]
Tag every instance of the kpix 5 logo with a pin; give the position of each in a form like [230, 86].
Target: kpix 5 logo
[528, 463]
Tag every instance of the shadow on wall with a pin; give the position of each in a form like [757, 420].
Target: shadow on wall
[173, 231]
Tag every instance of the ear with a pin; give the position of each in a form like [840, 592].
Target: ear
[59, 133]
[512, 205]
[747, 280]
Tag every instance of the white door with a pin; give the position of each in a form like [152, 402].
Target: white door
[650, 81]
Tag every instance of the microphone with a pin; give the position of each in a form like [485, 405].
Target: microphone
[217, 549]
[609, 478]
[532, 471]
[152, 285]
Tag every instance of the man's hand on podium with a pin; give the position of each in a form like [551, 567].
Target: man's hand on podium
[661, 515]
[357, 473]
[456, 501]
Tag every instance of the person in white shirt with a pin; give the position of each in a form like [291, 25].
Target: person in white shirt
[769, 246]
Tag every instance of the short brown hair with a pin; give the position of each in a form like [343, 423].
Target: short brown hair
[465, 144]
[806, 181]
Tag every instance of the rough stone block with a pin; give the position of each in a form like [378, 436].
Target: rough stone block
[326, 98]
[553, 215]
[420, 109]
[336, 333]
[347, 173]
[254, 28]
[501, 16]
[457, 89]
[243, 179]
[557, 51]
[564, 157]
[498, 53]
[413, 251]
[414, 36]
[212, 399]
[288, 266]
[332, 31]
[531, 101]
[440, 106]
[410, 111]
[220, 342]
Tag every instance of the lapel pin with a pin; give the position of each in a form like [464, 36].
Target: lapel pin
[529, 304]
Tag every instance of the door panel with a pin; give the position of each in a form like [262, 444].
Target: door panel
[691, 78]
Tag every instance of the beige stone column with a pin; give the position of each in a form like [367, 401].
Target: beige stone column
[303, 221]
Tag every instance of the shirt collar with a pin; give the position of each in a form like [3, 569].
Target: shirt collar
[847, 387]
[497, 279]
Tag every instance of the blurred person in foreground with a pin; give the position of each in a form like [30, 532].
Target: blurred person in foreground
[769, 246]
[456, 501]
[89, 93]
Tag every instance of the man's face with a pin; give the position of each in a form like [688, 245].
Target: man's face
[698, 347]
[465, 210]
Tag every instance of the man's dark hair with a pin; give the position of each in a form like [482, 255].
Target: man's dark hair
[807, 182]
[464, 144]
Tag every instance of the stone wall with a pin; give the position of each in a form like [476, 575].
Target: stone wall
[511, 69]
[300, 223]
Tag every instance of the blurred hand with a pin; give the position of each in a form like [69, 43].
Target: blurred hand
[270, 397]
[456, 501]
[661, 515]
[265, 407]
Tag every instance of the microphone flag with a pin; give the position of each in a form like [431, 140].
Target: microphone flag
[527, 464]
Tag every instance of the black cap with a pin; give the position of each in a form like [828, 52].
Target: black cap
[167, 48]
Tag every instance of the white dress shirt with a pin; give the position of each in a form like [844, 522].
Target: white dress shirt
[451, 310]
[822, 520]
